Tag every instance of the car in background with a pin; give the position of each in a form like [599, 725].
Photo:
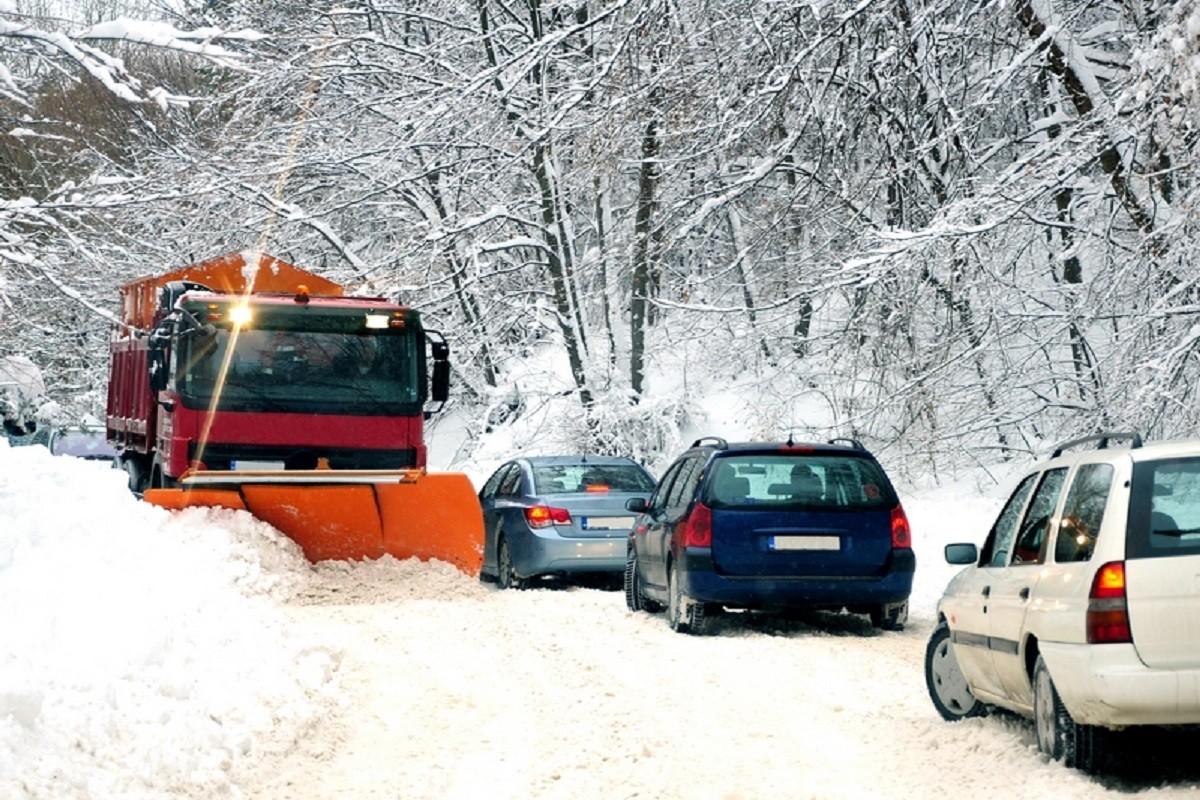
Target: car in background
[82, 441]
[770, 526]
[556, 515]
[1081, 610]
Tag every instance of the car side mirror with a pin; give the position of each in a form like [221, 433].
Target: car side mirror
[962, 554]
[637, 504]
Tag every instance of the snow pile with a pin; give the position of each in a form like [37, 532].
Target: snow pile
[143, 654]
[22, 389]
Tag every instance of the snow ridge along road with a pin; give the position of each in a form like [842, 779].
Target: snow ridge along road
[149, 656]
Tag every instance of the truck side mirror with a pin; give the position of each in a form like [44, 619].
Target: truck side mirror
[439, 390]
[156, 362]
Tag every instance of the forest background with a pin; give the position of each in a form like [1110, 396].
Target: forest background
[958, 227]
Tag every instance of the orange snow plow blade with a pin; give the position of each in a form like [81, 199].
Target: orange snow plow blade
[350, 514]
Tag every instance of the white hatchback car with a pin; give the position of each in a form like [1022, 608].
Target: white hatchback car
[1083, 609]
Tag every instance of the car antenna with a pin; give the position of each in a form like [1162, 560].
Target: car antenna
[791, 442]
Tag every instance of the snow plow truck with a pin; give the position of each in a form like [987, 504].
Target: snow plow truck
[245, 382]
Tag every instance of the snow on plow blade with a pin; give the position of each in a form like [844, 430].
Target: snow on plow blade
[350, 514]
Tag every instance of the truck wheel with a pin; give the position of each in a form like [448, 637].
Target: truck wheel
[135, 473]
[159, 479]
[948, 688]
[1082, 747]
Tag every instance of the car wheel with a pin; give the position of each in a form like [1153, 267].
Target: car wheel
[684, 615]
[948, 688]
[889, 616]
[635, 596]
[506, 576]
[1082, 747]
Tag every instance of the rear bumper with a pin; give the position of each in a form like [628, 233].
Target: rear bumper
[541, 552]
[703, 583]
[1108, 685]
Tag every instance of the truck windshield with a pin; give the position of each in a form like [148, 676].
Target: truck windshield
[277, 366]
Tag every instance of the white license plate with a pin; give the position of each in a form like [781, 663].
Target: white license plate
[242, 465]
[606, 523]
[806, 543]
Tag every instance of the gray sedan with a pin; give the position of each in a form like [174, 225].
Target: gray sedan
[557, 515]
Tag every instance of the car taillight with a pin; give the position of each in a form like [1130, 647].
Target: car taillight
[596, 488]
[901, 533]
[697, 531]
[545, 516]
[1108, 609]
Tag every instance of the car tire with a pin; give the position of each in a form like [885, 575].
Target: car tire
[506, 574]
[1082, 747]
[635, 596]
[684, 615]
[889, 616]
[948, 688]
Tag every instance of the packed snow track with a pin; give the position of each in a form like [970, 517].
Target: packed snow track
[198, 655]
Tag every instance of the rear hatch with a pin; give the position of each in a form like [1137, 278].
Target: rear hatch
[594, 516]
[1163, 562]
[594, 493]
[818, 514]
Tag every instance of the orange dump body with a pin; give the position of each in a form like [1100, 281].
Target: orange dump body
[227, 274]
[350, 514]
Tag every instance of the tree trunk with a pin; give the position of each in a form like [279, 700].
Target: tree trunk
[558, 276]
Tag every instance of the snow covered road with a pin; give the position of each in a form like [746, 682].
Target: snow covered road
[149, 655]
[456, 690]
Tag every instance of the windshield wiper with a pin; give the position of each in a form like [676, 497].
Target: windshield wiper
[1176, 532]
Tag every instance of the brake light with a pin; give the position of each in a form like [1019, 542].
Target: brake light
[597, 489]
[697, 531]
[545, 516]
[901, 532]
[1108, 608]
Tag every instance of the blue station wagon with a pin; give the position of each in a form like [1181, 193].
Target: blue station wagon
[773, 527]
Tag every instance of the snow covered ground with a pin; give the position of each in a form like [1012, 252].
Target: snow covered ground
[145, 655]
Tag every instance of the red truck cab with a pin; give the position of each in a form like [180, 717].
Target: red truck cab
[225, 366]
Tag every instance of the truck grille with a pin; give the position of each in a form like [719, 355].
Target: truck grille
[221, 456]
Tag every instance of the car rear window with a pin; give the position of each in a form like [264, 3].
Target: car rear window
[1164, 509]
[831, 482]
[574, 478]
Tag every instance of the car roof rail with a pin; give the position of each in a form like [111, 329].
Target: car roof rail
[855, 443]
[1135, 441]
[720, 443]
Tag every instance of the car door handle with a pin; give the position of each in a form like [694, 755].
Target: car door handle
[1024, 593]
[987, 591]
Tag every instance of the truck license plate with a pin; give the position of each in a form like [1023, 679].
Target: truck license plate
[242, 465]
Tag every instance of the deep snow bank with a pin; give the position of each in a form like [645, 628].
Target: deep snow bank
[141, 654]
